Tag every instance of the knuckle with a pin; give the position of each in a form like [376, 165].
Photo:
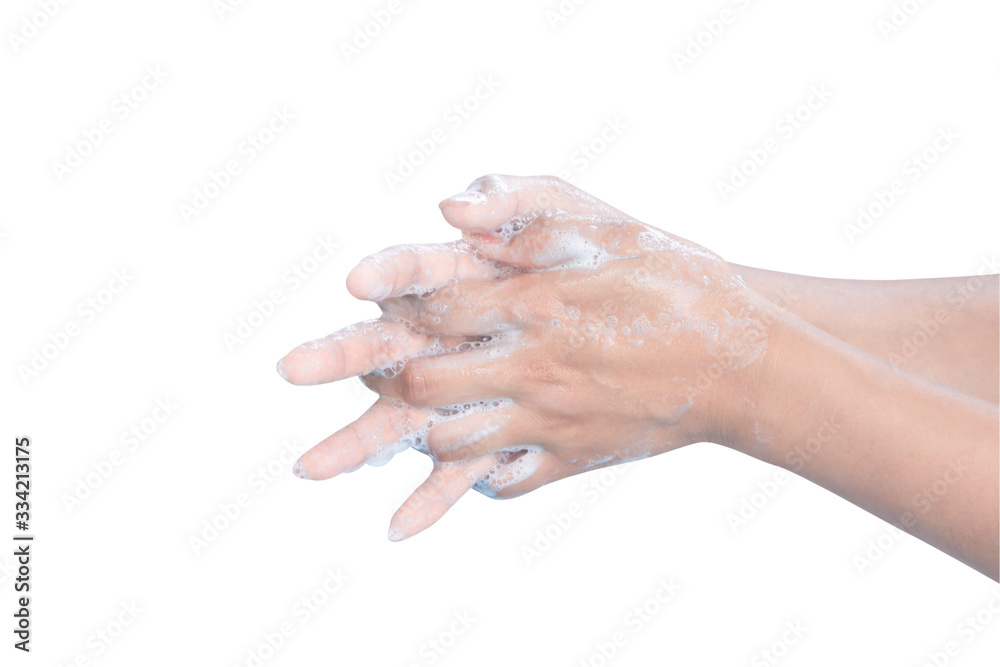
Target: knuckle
[554, 182]
[437, 442]
[417, 500]
[414, 385]
[549, 373]
[489, 183]
[550, 189]
[448, 295]
[527, 299]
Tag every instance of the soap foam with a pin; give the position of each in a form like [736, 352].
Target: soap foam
[384, 264]
[416, 438]
[510, 467]
[498, 347]
[694, 271]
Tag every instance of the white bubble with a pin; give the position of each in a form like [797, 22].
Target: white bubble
[509, 468]
[641, 325]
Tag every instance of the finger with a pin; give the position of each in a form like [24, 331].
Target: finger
[355, 350]
[559, 240]
[415, 269]
[478, 434]
[448, 380]
[432, 499]
[464, 309]
[494, 200]
[384, 430]
[540, 222]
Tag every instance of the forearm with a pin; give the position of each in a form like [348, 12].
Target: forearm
[943, 329]
[913, 452]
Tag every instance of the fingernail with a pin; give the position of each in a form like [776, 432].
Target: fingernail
[465, 199]
[395, 534]
[281, 368]
[299, 470]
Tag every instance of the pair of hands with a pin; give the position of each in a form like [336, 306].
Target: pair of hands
[558, 336]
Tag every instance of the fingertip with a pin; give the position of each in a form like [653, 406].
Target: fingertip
[368, 281]
[299, 470]
[288, 367]
[395, 534]
[466, 211]
[300, 367]
[355, 283]
[318, 464]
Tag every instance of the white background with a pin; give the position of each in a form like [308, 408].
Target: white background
[162, 337]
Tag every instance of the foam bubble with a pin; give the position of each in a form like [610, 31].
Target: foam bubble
[569, 249]
[416, 438]
[426, 284]
[509, 468]
[641, 325]
[498, 346]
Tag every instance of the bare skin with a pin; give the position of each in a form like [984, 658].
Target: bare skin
[944, 329]
[592, 339]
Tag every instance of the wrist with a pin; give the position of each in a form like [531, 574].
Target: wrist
[758, 396]
[800, 392]
[731, 389]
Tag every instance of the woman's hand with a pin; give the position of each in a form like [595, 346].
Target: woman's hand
[614, 343]
[562, 335]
